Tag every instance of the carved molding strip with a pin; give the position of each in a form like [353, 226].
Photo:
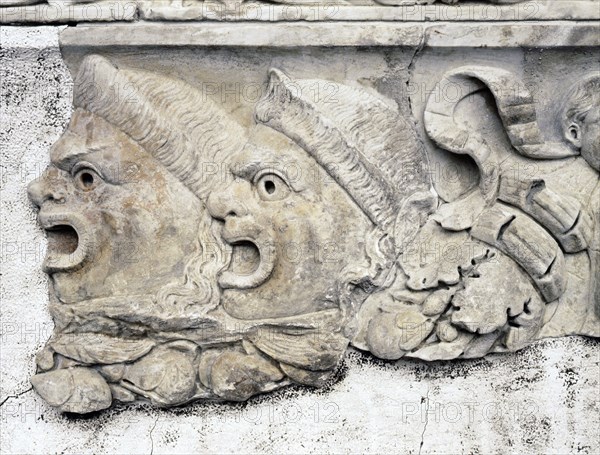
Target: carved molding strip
[481, 35]
[64, 11]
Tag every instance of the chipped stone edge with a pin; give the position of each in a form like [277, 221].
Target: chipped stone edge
[55, 13]
[330, 34]
[212, 10]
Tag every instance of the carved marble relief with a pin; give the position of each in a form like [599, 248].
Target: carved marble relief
[193, 257]
[179, 3]
[290, 11]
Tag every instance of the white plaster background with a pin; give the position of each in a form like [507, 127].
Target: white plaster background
[545, 399]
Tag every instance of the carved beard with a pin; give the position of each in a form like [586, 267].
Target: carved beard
[180, 305]
[181, 346]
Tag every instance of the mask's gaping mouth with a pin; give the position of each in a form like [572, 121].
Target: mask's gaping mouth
[253, 256]
[68, 243]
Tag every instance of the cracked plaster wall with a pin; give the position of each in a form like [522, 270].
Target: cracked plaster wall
[544, 399]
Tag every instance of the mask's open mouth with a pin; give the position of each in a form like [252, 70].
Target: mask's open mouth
[62, 239]
[68, 247]
[252, 260]
[245, 258]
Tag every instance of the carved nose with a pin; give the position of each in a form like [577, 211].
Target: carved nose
[222, 204]
[40, 191]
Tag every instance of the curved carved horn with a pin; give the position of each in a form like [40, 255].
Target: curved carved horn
[516, 109]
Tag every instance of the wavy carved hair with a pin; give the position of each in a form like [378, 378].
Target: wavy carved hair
[183, 130]
[372, 152]
[173, 121]
[364, 144]
[584, 97]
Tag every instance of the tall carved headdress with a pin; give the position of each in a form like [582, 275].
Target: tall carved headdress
[170, 119]
[360, 140]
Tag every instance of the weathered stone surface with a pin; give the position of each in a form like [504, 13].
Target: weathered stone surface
[130, 327]
[392, 10]
[298, 34]
[68, 11]
[270, 245]
[208, 247]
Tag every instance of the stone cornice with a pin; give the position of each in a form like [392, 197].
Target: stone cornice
[442, 34]
[64, 12]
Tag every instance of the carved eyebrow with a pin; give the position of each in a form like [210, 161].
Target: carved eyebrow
[99, 148]
[70, 159]
[71, 148]
[73, 156]
[261, 160]
[248, 170]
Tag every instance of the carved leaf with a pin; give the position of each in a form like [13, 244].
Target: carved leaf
[98, 348]
[498, 289]
[443, 350]
[460, 214]
[435, 256]
[480, 345]
[306, 377]
[525, 326]
[391, 335]
[78, 390]
[238, 376]
[315, 351]
[167, 373]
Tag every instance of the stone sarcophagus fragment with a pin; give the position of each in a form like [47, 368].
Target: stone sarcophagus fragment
[227, 216]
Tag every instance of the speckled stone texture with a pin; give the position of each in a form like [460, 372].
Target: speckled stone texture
[543, 399]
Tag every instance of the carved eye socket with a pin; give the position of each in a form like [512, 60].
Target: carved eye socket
[574, 132]
[272, 187]
[87, 179]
